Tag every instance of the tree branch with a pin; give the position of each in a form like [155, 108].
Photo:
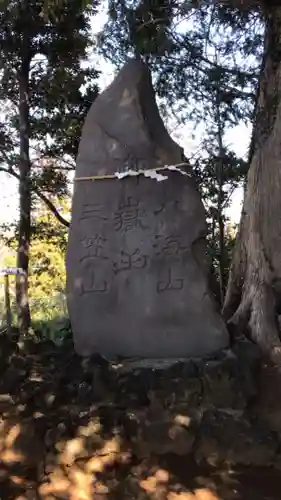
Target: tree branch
[52, 208]
[40, 195]
[243, 4]
[51, 156]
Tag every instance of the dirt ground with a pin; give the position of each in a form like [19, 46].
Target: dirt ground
[65, 434]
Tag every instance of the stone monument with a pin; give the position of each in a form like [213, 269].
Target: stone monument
[136, 265]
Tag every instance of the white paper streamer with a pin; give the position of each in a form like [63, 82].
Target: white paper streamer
[153, 173]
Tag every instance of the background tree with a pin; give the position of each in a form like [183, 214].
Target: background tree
[219, 172]
[254, 292]
[47, 268]
[205, 60]
[46, 88]
[189, 48]
[176, 39]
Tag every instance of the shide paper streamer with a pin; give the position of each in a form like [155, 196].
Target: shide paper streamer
[152, 173]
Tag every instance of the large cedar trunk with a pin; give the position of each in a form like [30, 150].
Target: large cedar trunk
[253, 294]
[24, 198]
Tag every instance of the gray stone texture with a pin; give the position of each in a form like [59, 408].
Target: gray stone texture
[136, 266]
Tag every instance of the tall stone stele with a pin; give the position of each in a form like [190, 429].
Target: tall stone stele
[136, 266]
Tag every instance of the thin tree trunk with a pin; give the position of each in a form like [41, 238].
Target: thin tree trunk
[8, 304]
[254, 287]
[24, 198]
[220, 179]
[221, 258]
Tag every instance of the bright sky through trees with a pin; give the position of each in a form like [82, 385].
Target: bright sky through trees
[239, 137]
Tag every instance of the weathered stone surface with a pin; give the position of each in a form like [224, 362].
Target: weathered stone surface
[136, 266]
[228, 383]
[179, 383]
[226, 438]
[164, 437]
[66, 447]
[268, 404]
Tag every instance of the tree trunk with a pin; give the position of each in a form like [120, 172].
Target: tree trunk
[24, 198]
[220, 180]
[254, 286]
[221, 258]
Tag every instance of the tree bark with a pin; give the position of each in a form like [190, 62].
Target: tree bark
[24, 233]
[220, 180]
[254, 286]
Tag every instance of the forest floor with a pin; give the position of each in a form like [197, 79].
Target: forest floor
[63, 435]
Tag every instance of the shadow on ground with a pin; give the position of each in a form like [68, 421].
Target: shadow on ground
[68, 431]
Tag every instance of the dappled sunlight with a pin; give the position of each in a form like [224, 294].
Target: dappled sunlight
[159, 485]
[16, 442]
[74, 467]
[62, 439]
[82, 466]
[183, 420]
[157, 482]
[77, 468]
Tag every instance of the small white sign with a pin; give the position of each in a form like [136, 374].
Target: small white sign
[12, 271]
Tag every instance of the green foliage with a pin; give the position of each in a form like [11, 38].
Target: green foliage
[50, 7]
[205, 59]
[61, 85]
[220, 256]
[191, 49]
[46, 88]
[205, 62]
[47, 277]
[47, 273]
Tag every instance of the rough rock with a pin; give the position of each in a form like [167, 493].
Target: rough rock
[57, 443]
[267, 406]
[226, 438]
[162, 437]
[136, 261]
[175, 383]
[229, 382]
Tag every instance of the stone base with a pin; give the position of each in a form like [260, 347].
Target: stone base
[209, 409]
[187, 430]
